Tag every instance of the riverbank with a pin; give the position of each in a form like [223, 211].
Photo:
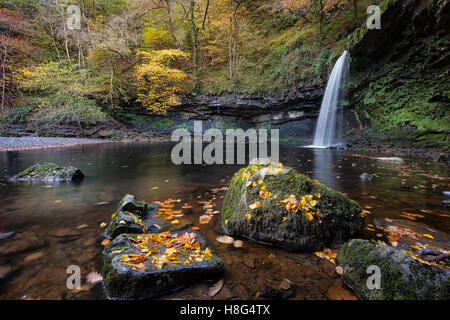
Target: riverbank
[25, 143]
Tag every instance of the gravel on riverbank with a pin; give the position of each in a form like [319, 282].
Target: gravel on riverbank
[24, 143]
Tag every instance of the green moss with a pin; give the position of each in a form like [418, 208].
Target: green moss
[402, 278]
[340, 216]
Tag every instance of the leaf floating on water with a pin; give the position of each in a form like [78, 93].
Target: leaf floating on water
[195, 228]
[225, 239]
[214, 289]
[339, 270]
[329, 254]
[103, 225]
[204, 219]
[82, 226]
[94, 277]
[105, 242]
[175, 222]
[238, 244]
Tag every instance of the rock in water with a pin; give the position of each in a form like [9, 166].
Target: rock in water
[149, 265]
[277, 205]
[129, 215]
[49, 172]
[402, 277]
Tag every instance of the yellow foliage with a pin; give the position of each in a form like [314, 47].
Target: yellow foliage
[158, 82]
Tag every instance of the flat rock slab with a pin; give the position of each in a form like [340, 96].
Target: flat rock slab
[143, 266]
[49, 172]
[401, 276]
[274, 204]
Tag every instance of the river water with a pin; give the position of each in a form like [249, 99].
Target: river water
[65, 217]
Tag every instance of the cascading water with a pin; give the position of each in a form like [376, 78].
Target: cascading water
[329, 125]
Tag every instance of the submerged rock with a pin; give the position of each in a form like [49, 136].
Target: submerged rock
[149, 265]
[402, 277]
[446, 203]
[49, 172]
[366, 177]
[256, 206]
[19, 243]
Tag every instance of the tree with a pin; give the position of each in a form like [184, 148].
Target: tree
[158, 80]
[12, 26]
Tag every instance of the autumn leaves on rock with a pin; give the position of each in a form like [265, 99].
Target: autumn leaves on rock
[147, 258]
[275, 204]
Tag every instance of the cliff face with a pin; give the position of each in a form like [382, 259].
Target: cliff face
[294, 115]
[400, 91]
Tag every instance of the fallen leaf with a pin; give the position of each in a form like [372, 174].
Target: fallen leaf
[225, 239]
[82, 226]
[103, 225]
[105, 242]
[214, 289]
[94, 277]
[339, 270]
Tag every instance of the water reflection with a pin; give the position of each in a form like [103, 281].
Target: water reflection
[53, 212]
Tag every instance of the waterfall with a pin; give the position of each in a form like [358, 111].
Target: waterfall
[329, 125]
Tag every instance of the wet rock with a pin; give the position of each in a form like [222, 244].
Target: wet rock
[402, 277]
[249, 263]
[65, 234]
[443, 158]
[150, 279]
[20, 242]
[271, 294]
[339, 293]
[129, 216]
[446, 193]
[366, 177]
[339, 219]
[5, 273]
[49, 172]
[446, 203]
[4, 236]
[284, 285]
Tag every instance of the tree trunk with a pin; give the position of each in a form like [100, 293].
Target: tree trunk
[4, 75]
[194, 32]
[355, 8]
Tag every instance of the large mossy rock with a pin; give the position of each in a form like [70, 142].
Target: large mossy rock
[402, 277]
[146, 266]
[332, 218]
[49, 172]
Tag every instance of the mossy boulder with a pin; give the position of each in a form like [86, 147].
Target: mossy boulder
[402, 277]
[325, 217]
[147, 266]
[49, 172]
[130, 215]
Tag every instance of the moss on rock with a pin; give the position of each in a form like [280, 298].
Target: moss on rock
[402, 277]
[124, 282]
[129, 216]
[49, 172]
[339, 218]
